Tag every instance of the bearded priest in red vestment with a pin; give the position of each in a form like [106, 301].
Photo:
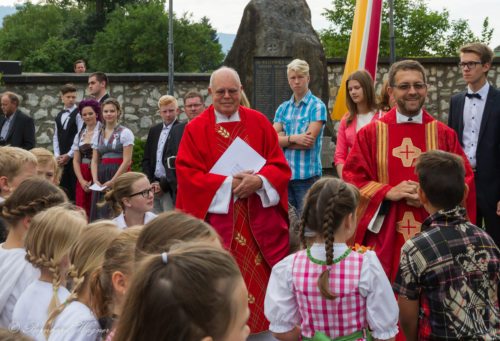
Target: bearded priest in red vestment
[382, 165]
[249, 209]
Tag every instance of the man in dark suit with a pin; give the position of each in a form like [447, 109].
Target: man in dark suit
[155, 148]
[16, 128]
[475, 116]
[98, 81]
[67, 124]
[193, 106]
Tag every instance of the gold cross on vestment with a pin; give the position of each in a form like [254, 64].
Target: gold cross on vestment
[407, 152]
[408, 226]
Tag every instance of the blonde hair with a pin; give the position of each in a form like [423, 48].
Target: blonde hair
[244, 100]
[32, 196]
[86, 258]
[298, 65]
[166, 100]
[169, 228]
[118, 257]
[183, 295]
[49, 239]
[46, 158]
[12, 160]
[122, 188]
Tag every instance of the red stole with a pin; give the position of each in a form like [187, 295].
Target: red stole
[384, 154]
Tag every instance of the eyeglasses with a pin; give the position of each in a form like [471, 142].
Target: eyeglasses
[222, 92]
[196, 105]
[144, 193]
[470, 65]
[407, 86]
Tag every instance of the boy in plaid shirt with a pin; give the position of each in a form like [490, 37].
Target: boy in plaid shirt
[448, 278]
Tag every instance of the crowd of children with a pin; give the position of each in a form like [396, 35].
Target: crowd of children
[168, 277]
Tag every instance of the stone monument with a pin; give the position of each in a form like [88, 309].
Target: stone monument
[271, 34]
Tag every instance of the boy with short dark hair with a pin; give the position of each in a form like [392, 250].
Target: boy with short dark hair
[448, 278]
[68, 124]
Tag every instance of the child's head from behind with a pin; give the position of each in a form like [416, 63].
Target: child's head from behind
[169, 228]
[16, 165]
[51, 234]
[193, 292]
[442, 179]
[329, 211]
[327, 204]
[31, 197]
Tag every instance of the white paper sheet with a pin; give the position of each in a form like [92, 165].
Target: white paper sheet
[97, 188]
[237, 158]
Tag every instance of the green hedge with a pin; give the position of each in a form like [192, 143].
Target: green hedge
[137, 154]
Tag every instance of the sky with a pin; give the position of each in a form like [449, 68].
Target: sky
[225, 15]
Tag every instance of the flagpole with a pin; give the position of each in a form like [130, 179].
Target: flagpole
[170, 48]
[392, 41]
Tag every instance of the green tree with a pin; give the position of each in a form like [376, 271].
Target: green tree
[419, 31]
[135, 40]
[38, 36]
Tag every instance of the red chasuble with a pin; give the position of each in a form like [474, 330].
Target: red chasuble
[383, 155]
[256, 236]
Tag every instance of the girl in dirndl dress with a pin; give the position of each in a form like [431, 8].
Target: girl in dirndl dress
[328, 291]
[90, 110]
[111, 156]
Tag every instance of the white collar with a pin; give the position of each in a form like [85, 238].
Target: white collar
[400, 118]
[169, 125]
[483, 91]
[220, 118]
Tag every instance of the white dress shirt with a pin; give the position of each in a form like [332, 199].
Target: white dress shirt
[473, 115]
[64, 123]
[400, 118]
[159, 168]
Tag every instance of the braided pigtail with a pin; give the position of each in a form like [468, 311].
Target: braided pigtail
[31, 197]
[56, 283]
[77, 286]
[328, 233]
[302, 225]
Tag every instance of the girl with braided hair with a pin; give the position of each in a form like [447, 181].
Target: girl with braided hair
[48, 241]
[77, 318]
[32, 196]
[328, 291]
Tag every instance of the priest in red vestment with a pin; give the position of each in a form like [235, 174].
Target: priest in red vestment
[382, 165]
[249, 209]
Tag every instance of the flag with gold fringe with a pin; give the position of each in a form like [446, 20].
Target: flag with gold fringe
[363, 48]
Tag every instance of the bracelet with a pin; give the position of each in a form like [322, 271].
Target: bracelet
[289, 142]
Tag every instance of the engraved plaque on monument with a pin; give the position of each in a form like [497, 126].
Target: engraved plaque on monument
[270, 84]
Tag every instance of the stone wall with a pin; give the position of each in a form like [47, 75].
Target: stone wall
[139, 94]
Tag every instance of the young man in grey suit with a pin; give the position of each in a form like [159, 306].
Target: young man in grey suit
[475, 116]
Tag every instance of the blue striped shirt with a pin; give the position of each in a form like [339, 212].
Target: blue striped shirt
[295, 120]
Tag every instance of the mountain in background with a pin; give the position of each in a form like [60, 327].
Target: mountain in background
[4, 11]
[226, 40]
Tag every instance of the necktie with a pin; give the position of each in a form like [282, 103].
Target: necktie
[470, 96]
[410, 119]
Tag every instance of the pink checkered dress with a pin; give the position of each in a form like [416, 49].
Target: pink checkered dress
[342, 316]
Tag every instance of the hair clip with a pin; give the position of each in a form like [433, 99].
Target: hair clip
[164, 257]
